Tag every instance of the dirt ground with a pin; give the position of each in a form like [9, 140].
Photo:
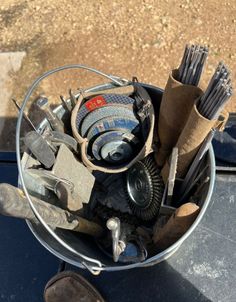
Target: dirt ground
[140, 38]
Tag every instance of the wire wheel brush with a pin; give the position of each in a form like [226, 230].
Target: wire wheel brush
[145, 188]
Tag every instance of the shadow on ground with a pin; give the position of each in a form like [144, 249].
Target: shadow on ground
[157, 283]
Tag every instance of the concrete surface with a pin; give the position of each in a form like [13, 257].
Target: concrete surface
[10, 63]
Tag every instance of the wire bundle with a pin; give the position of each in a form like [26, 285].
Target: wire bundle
[217, 93]
[192, 64]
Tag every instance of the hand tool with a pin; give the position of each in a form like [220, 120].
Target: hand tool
[172, 174]
[40, 148]
[13, 203]
[65, 104]
[128, 243]
[72, 98]
[57, 138]
[68, 170]
[54, 121]
[47, 178]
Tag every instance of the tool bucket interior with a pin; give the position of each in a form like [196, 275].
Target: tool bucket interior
[82, 250]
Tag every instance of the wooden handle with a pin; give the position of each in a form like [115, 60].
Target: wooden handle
[14, 203]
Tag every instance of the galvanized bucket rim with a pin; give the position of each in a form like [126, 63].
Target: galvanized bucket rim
[153, 260]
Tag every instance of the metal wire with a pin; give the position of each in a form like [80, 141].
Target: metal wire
[115, 80]
[195, 165]
[192, 64]
[217, 93]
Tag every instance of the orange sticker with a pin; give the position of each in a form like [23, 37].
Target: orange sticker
[95, 102]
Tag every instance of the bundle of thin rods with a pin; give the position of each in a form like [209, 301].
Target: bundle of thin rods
[217, 93]
[192, 64]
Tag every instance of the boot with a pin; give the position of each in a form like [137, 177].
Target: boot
[70, 286]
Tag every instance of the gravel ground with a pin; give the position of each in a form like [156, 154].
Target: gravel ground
[127, 38]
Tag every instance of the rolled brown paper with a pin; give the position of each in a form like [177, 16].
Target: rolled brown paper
[176, 105]
[191, 138]
[176, 226]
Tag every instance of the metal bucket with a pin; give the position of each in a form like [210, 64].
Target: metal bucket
[80, 250]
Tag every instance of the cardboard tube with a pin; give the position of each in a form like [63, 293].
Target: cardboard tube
[191, 138]
[176, 226]
[176, 105]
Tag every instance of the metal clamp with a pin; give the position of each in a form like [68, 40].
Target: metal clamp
[113, 224]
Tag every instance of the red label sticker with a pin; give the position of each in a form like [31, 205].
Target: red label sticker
[95, 102]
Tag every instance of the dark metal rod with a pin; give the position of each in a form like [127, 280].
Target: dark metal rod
[195, 164]
[24, 115]
[66, 105]
[192, 64]
[72, 98]
[217, 93]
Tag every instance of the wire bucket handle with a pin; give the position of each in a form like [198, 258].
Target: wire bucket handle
[93, 265]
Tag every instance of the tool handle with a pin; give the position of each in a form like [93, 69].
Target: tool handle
[13, 203]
